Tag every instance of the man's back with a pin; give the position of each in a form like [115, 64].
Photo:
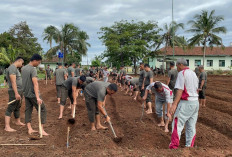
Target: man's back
[28, 72]
[59, 73]
[172, 74]
[188, 82]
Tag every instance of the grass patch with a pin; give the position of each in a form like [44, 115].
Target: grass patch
[2, 81]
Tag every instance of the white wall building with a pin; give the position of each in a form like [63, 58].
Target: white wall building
[216, 59]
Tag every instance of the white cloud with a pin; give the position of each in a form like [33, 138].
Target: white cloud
[91, 15]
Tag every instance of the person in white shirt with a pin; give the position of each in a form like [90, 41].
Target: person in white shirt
[185, 106]
[106, 74]
[163, 96]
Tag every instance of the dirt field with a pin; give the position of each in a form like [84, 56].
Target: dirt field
[214, 128]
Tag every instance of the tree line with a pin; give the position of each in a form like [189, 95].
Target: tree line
[129, 42]
[126, 42]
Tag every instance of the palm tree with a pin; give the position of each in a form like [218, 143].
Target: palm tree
[205, 26]
[169, 38]
[8, 56]
[69, 39]
[49, 34]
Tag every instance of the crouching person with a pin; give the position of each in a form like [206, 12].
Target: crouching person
[163, 96]
[95, 96]
[185, 105]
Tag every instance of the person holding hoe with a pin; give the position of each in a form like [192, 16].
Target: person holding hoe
[31, 93]
[95, 97]
[69, 89]
[15, 92]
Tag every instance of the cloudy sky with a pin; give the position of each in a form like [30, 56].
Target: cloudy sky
[90, 15]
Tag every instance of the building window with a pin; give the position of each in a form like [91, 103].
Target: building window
[187, 62]
[197, 62]
[209, 63]
[221, 63]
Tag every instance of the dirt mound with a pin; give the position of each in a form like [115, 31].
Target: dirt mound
[214, 128]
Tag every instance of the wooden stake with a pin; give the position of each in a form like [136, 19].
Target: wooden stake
[40, 125]
[22, 144]
[11, 102]
[68, 137]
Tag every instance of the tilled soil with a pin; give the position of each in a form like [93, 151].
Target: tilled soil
[214, 128]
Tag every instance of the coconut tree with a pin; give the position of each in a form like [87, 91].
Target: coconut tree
[205, 26]
[69, 40]
[169, 37]
[49, 34]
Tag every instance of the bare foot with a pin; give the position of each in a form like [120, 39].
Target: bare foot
[148, 112]
[166, 130]
[93, 129]
[10, 129]
[60, 117]
[30, 132]
[44, 133]
[135, 98]
[20, 123]
[161, 124]
[100, 127]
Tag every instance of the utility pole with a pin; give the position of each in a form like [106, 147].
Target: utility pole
[173, 48]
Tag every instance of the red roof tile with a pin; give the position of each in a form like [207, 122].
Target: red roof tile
[198, 51]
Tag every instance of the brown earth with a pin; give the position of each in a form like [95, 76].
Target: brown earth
[214, 128]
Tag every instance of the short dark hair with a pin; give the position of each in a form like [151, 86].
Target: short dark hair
[48, 65]
[18, 58]
[147, 65]
[158, 85]
[172, 63]
[141, 63]
[59, 64]
[36, 57]
[113, 87]
[83, 78]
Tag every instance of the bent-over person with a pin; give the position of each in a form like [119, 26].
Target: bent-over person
[95, 97]
[69, 89]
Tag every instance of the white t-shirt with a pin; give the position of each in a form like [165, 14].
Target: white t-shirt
[128, 77]
[188, 82]
[105, 73]
[166, 95]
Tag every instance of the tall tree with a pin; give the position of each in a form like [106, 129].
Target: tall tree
[205, 26]
[69, 39]
[49, 34]
[24, 40]
[128, 42]
[170, 38]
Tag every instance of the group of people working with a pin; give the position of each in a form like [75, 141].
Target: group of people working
[183, 85]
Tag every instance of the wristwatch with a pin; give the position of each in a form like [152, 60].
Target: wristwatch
[105, 115]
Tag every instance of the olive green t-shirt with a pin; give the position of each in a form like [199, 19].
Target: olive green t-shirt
[28, 72]
[97, 90]
[59, 74]
[12, 70]
[70, 70]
